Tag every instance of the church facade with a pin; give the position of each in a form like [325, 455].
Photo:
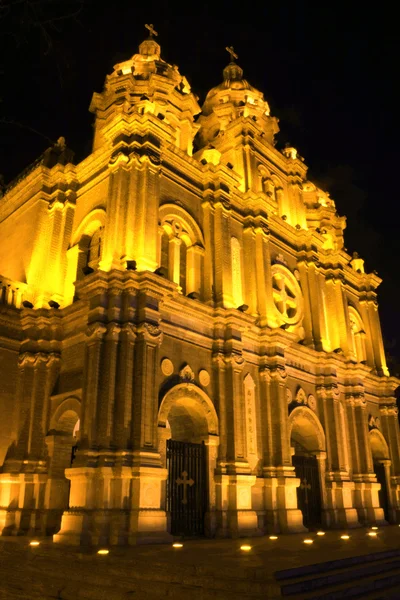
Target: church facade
[186, 348]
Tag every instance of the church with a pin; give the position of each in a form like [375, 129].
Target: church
[186, 347]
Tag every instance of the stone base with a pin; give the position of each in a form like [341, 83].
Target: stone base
[237, 523]
[340, 518]
[113, 527]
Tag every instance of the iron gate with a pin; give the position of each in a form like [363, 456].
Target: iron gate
[186, 487]
[309, 492]
[383, 495]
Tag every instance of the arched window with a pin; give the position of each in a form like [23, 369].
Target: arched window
[357, 335]
[94, 249]
[236, 260]
[181, 249]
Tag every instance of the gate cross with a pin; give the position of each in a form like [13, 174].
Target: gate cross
[183, 480]
[305, 486]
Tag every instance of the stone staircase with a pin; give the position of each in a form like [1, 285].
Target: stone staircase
[373, 576]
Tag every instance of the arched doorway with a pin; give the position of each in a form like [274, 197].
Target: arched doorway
[380, 457]
[62, 442]
[308, 445]
[188, 439]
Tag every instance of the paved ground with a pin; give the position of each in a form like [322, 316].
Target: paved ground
[202, 569]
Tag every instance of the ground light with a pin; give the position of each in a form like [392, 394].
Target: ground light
[308, 541]
[245, 548]
[103, 551]
[177, 545]
[345, 537]
[320, 532]
[34, 543]
[372, 533]
[273, 537]
[374, 527]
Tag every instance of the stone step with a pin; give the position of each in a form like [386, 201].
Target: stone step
[338, 578]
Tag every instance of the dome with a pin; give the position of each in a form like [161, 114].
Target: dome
[232, 99]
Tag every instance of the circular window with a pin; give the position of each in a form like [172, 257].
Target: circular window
[287, 296]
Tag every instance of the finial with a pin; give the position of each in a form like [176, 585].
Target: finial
[232, 52]
[151, 30]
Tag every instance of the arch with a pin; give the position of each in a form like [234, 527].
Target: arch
[357, 333]
[89, 224]
[379, 447]
[189, 402]
[305, 428]
[191, 230]
[66, 415]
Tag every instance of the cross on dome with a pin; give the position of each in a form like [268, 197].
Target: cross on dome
[151, 29]
[232, 52]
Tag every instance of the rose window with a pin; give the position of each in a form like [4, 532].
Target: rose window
[287, 296]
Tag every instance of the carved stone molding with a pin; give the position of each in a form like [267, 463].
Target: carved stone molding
[186, 374]
[96, 331]
[204, 377]
[128, 330]
[167, 367]
[150, 333]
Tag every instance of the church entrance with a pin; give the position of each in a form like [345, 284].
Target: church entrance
[186, 487]
[308, 493]
[379, 469]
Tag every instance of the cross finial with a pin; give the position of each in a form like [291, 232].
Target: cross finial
[232, 53]
[151, 29]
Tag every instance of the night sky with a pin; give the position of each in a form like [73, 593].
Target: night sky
[328, 70]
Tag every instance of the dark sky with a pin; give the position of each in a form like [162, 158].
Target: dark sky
[328, 69]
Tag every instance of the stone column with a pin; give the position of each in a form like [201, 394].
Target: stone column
[194, 269]
[208, 228]
[390, 429]
[148, 519]
[308, 308]
[95, 334]
[338, 505]
[366, 488]
[146, 214]
[22, 483]
[376, 337]
[174, 259]
[249, 268]
[118, 197]
[107, 384]
[280, 481]
[265, 303]
[222, 255]
[124, 388]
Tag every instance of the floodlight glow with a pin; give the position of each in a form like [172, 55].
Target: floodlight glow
[34, 543]
[103, 551]
[308, 541]
[273, 537]
[245, 548]
[320, 532]
[177, 545]
[372, 533]
[344, 537]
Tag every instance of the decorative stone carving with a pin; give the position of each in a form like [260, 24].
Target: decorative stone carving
[289, 396]
[312, 402]
[250, 412]
[287, 296]
[204, 377]
[186, 374]
[167, 367]
[301, 397]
